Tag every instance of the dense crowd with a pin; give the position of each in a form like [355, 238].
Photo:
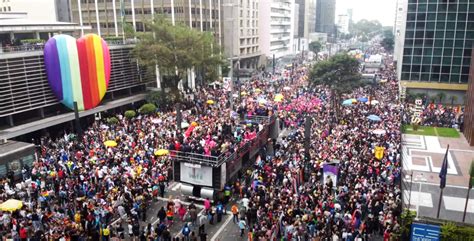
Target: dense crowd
[285, 196]
[79, 185]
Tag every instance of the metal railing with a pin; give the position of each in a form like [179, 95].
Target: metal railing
[40, 47]
[215, 161]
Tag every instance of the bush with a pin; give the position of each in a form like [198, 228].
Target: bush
[130, 114]
[147, 109]
[31, 41]
[112, 120]
[415, 126]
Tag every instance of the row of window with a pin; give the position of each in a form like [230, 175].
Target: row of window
[459, 34]
[439, 25]
[249, 41]
[440, 7]
[437, 1]
[438, 43]
[458, 52]
[436, 77]
[6, 9]
[437, 16]
[254, 23]
[447, 60]
[436, 69]
[249, 50]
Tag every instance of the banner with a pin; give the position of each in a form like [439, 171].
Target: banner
[330, 172]
[379, 152]
[196, 174]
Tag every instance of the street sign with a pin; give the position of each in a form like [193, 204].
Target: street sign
[425, 232]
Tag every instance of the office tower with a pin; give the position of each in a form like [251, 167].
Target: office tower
[106, 16]
[469, 111]
[325, 17]
[437, 47]
[276, 27]
[240, 32]
[399, 28]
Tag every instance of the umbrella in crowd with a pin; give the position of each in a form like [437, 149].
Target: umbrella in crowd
[362, 99]
[374, 118]
[379, 132]
[374, 102]
[347, 102]
[162, 152]
[11, 205]
[210, 102]
[184, 125]
[110, 143]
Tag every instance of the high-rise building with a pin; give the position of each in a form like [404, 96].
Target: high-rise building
[276, 27]
[469, 111]
[306, 17]
[106, 16]
[326, 17]
[437, 47]
[343, 23]
[399, 28]
[241, 33]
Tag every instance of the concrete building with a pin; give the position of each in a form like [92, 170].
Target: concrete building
[469, 111]
[27, 103]
[241, 33]
[437, 48]
[276, 27]
[399, 28]
[343, 23]
[326, 17]
[105, 16]
[23, 21]
[304, 23]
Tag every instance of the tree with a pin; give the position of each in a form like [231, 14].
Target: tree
[388, 40]
[148, 108]
[340, 74]
[387, 43]
[175, 49]
[441, 96]
[130, 114]
[367, 28]
[315, 46]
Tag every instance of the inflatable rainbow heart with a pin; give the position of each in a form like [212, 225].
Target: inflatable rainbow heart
[78, 71]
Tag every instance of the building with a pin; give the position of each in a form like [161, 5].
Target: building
[27, 103]
[469, 110]
[343, 23]
[304, 23]
[63, 10]
[326, 17]
[276, 27]
[399, 28]
[24, 26]
[106, 17]
[241, 33]
[437, 47]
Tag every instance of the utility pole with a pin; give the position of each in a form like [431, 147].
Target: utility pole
[78, 122]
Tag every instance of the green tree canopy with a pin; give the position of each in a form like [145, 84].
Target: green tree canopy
[367, 28]
[315, 46]
[340, 74]
[175, 49]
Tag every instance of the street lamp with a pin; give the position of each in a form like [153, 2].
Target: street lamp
[420, 179]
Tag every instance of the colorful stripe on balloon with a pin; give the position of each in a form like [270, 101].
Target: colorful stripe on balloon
[78, 70]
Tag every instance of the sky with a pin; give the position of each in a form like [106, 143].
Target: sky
[381, 10]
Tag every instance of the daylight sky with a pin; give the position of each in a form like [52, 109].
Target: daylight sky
[382, 10]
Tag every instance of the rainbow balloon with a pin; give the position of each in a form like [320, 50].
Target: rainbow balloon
[78, 71]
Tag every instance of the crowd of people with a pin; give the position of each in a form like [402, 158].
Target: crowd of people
[78, 186]
[285, 195]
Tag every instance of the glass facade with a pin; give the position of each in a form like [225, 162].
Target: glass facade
[439, 39]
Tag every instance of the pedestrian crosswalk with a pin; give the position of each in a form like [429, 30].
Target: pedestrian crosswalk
[426, 199]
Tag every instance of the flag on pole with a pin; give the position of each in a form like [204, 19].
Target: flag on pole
[444, 170]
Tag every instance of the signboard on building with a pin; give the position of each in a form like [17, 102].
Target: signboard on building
[196, 174]
[425, 232]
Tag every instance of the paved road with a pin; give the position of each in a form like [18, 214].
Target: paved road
[452, 207]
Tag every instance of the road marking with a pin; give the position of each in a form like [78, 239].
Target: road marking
[183, 202]
[424, 198]
[457, 204]
[432, 184]
[221, 228]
